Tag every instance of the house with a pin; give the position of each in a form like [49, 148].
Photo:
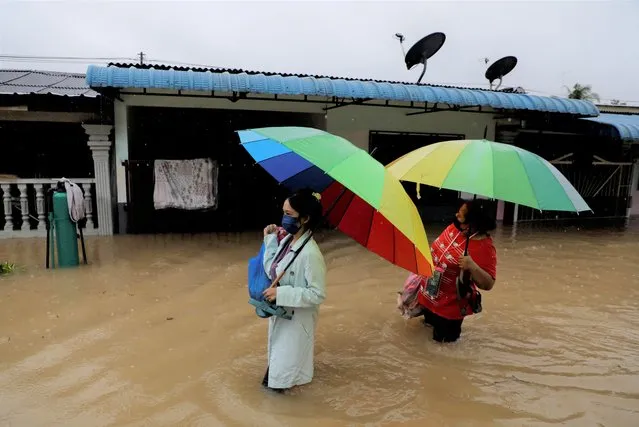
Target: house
[166, 112]
[52, 125]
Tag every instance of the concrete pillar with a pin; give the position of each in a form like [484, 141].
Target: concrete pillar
[121, 148]
[121, 154]
[501, 206]
[633, 192]
[100, 146]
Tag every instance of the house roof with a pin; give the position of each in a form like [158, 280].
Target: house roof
[25, 82]
[618, 109]
[626, 125]
[131, 76]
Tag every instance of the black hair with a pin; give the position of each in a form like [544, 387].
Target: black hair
[479, 216]
[307, 205]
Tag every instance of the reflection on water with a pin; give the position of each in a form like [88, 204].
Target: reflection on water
[157, 332]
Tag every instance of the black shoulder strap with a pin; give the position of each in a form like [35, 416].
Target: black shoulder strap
[295, 254]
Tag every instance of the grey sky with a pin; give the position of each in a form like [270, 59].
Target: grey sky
[557, 43]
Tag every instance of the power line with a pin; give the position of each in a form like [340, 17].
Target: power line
[188, 64]
[141, 58]
[36, 58]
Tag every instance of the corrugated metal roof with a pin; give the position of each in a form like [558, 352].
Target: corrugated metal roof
[270, 73]
[165, 77]
[627, 125]
[23, 82]
[621, 109]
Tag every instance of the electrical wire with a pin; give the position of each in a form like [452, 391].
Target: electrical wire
[89, 59]
[60, 58]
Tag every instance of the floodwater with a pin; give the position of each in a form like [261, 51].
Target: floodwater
[157, 331]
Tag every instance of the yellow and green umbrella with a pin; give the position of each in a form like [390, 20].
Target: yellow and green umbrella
[490, 169]
[359, 196]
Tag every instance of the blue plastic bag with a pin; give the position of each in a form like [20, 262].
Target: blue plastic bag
[258, 282]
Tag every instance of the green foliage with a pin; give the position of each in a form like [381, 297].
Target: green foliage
[7, 267]
[585, 92]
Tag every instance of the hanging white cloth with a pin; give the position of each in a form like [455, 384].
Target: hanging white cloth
[185, 184]
[75, 200]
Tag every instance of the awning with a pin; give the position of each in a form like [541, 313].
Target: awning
[625, 125]
[132, 77]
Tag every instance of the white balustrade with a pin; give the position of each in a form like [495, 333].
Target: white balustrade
[24, 207]
[16, 217]
[40, 206]
[88, 205]
[6, 204]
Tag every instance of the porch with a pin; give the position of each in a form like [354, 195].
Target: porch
[22, 212]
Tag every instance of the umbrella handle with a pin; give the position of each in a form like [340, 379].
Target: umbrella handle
[469, 233]
[465, 275]
[277, 279]
[467, 243]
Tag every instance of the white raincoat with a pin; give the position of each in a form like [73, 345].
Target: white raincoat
[301, 291]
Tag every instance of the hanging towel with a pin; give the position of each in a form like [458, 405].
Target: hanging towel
[185, 184]
[75, 200]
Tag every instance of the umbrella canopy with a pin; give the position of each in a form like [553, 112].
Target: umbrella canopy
[490, 169]
[359, 196]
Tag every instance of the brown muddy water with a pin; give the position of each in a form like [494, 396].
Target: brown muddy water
[157, 332]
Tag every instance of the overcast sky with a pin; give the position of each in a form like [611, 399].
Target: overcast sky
[557, 43]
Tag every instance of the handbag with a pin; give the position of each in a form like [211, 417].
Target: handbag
[407, 300]
[258, 282]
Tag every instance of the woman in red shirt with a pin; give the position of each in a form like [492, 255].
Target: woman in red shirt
[444, 298]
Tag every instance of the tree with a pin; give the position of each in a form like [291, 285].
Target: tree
[584, 92]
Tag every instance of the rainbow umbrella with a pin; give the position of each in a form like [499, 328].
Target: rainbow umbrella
[490, 169]
[359, 196]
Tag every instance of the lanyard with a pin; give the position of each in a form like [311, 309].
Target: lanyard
[449, 245]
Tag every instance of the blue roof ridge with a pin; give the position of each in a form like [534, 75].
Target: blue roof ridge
[150, 77]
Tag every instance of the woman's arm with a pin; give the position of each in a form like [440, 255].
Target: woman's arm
[270, 250]
[483, 267]
[315, 291]
[482, 279]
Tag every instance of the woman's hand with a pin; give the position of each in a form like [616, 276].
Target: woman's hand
[270, 294]
[270, 229]
[467, 263]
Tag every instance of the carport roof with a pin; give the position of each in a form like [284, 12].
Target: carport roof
[625, 125]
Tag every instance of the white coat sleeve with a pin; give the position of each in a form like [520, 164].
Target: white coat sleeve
[315, 291]
[270, 250]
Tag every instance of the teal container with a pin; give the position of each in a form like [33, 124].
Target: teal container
[66, 234]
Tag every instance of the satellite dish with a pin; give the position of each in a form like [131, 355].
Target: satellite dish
[499, 69]
[422, 50]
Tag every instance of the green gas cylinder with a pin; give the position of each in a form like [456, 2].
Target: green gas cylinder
[65, 232]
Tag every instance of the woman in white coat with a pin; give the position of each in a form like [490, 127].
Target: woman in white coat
[301, 290]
